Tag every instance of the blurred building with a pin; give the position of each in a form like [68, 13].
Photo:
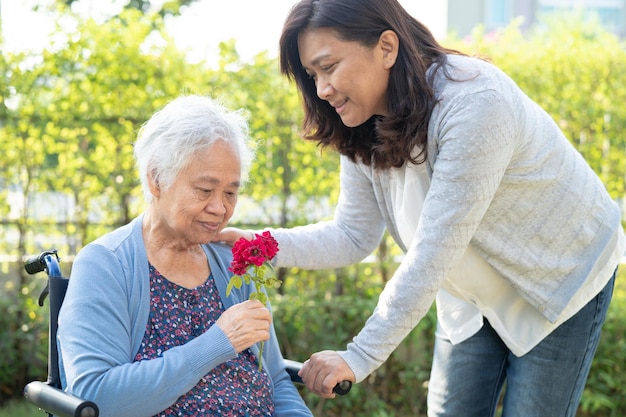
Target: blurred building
[461, 16]
[465, 14]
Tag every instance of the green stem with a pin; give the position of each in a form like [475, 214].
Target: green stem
[259, 286]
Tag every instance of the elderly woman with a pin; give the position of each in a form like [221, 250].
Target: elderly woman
[146, 327]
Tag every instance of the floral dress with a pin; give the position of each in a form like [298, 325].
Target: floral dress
[177, 315]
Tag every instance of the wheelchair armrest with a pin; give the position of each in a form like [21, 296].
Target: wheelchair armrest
[293, 367]
[58, 402]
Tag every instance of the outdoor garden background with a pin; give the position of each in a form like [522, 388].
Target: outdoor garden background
[68, 119]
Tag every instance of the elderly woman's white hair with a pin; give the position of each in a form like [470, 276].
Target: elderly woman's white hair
[186, 125]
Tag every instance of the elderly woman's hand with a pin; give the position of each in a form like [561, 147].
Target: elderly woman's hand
[245, 324]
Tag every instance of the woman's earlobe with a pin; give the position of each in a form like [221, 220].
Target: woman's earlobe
[153, 184]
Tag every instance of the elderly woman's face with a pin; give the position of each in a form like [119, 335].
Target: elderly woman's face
[202, 199]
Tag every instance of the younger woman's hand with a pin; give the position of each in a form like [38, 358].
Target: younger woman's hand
[323, 371]
[230, 235]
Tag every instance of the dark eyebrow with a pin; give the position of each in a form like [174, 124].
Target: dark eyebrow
[316, 61]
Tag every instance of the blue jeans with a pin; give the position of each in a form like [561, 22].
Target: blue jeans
[467, 378]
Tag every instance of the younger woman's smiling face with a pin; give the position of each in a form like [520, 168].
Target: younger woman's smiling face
[352, 77]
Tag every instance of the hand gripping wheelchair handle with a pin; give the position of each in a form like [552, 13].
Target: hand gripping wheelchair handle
[294, 367]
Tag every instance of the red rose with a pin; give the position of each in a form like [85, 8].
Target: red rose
[250, 264]
[268, 244]
[257, 251]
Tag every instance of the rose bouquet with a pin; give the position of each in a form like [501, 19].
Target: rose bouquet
[251, 263]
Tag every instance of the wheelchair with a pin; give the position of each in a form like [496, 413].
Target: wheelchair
[49, 396]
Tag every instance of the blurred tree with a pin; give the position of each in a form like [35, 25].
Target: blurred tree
[168, 7]
[80, 102]
[75, 110]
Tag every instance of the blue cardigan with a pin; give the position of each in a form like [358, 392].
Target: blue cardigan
[103, 320]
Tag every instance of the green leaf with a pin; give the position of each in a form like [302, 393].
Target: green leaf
[235, 281]
[261, 297]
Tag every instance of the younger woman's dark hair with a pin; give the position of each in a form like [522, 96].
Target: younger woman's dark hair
[382, 141]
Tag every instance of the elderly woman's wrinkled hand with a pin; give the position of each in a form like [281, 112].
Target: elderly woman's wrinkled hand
[245, 324]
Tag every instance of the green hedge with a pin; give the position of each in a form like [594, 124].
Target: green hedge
[307, 324]
[605, 394]
[397, 388]
[23, 339]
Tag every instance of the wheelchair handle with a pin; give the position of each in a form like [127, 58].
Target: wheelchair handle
[58, 402]
[47, 261]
